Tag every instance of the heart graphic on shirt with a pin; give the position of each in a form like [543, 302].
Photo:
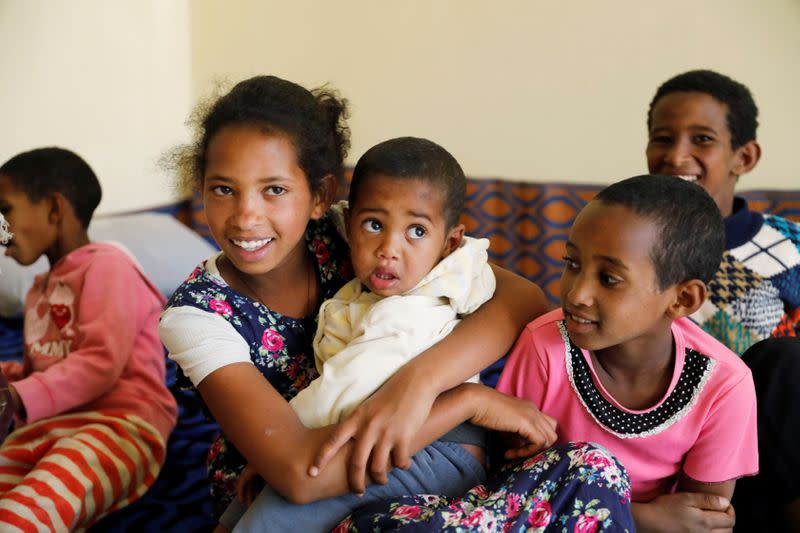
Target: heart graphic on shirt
[61, 314]
[37, 320]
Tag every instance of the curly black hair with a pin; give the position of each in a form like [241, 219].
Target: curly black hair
[314, 120]
[692, 233]
[44, 171]
[415, 158]
[742, 118]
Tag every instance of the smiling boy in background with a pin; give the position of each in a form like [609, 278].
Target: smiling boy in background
[702, 127]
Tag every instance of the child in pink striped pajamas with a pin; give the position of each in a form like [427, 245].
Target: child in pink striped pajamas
[91, 408]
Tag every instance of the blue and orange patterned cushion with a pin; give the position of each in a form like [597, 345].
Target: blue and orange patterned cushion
[528, 223]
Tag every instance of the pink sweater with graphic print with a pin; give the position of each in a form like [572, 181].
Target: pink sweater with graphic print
[91, 340]
[705, 425]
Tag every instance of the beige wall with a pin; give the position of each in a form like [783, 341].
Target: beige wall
[521, 89]
[525, 89]
[108, 79]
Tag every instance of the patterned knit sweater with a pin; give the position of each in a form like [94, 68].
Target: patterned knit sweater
[755, 294]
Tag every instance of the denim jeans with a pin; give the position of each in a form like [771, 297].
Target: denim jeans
[442, 468]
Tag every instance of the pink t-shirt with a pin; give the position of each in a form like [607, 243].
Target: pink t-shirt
[704, 426]
[91, 340]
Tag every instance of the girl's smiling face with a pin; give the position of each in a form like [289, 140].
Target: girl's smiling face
[257, 199]
[609, 288]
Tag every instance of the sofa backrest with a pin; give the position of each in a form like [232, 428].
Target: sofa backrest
[528, 223]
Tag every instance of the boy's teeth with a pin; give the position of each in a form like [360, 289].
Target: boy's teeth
[688, 178]
[251, 245]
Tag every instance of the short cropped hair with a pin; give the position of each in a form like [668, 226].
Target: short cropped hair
[415, 158]
[742, 119]
[691, 230]
[44, 171]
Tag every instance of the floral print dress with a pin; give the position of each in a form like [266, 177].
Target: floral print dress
[575, 487]
[280, 346]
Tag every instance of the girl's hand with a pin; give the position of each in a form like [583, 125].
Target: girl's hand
[685, 511]
[500, 412]
[249, 485]
[381, 427]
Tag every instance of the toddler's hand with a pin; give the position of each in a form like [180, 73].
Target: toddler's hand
[382, 427]
[249, 485]
[500, 412]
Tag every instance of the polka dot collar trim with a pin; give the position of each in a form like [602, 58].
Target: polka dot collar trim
[696, 371]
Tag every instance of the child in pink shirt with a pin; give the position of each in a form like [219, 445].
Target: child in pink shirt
[620, 364]
[92, 409]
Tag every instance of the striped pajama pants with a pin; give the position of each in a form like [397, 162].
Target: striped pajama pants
[66, 472]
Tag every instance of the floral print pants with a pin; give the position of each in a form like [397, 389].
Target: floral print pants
[575, 487]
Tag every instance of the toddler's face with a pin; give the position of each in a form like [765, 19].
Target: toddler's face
[609, 288]
[397, 233]
[257, 199]
[33, 232]
[689, 137]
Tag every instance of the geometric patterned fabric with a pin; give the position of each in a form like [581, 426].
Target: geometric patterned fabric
[528, 223]
[755, 294]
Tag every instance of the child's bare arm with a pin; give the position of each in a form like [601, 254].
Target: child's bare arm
[496, 411]
[695, 506]
[279, 448]
[724, 489]
[384, 426]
